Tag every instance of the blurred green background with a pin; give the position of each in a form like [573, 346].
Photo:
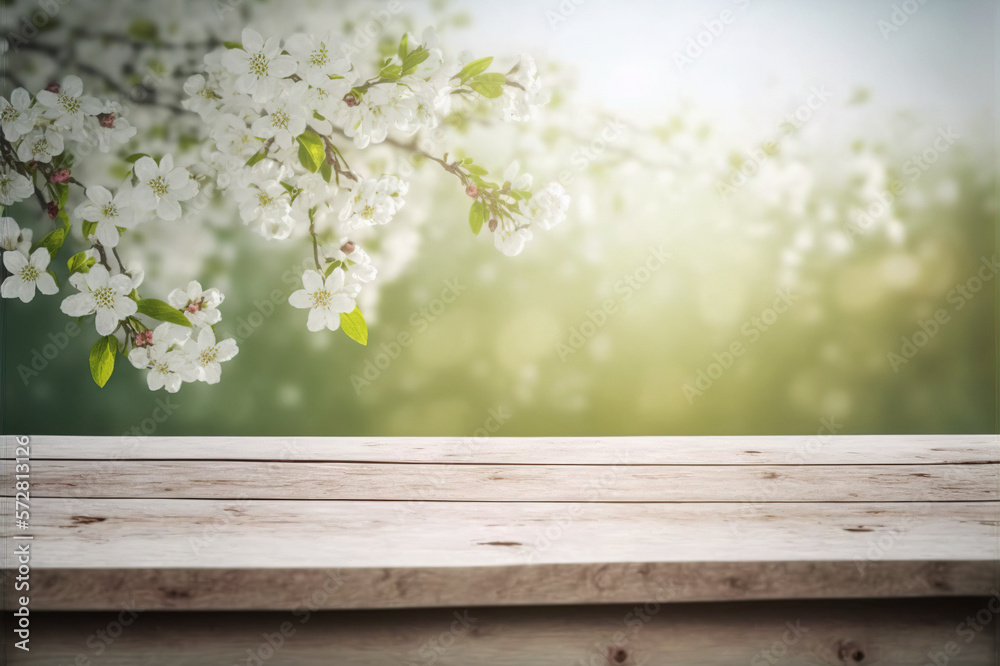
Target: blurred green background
[861, 289]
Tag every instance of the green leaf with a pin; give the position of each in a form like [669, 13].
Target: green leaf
[521, 194]
[476, 170]
[52, 241]
[88, 228]
[354, 325]
[156, 309]
[411, 61]
[80, 263]
[142, 30]
[232, 45]
[102, 359]
[134, 157]
[403, 46]
[62, 193]
[391, 72]
[488, 184]
[477, 215]
[333, 266]
[489, 85]
[326, 171]
[312, 153]
[474, 68]
[256, 157]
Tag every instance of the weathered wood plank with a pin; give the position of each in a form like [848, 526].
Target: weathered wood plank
[305, 533]
[432, 587]
[753, 450]
[887, 633]
[497, 483]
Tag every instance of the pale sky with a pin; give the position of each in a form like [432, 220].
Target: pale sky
[940, 62]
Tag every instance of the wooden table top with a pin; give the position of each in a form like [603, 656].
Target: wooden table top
[262, 523]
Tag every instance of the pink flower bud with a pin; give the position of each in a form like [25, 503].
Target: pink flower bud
[194, 306]
[472, 191]
[107, 120]
[53, 87]
[350, 100]
[52, 208]
[149, 337]
[60, 176]
[348, 247]
[493, 225]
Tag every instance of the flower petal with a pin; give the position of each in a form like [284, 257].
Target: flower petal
[317, 320]
[312, 281]
[299, 299]
[107, 322]
[78, 305]
[46, 284]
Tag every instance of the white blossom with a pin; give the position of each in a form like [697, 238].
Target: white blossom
[69, 106]
[14, 238]
[40, 144]
[17, 117]
[259, 66]
[373, 201]
[109, 211]
[207, 355]
[101, 293]
[168, 366]
[326, 299]
[548, 206]
[14, 186]
[286, 116]
[317, 58]
[26, 274]
[162, 186]
[199, 306]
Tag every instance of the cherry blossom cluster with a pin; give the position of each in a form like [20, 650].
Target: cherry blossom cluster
[280, 116]
[38, 132]
[283, 114]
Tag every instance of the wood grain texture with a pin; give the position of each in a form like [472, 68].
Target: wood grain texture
[875, 633]
[268, 533]
[504, 483]
[198, 589]
[752, 450]
[176, 523]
